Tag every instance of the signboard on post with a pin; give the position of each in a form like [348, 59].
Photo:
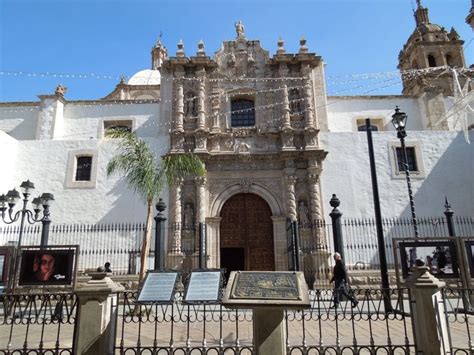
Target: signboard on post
[276, 289]
[204, 287]
[158, 288]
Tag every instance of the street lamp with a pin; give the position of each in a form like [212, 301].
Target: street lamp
[399, 120]
[8, 202]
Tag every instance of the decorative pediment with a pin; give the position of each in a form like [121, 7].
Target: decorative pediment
[241, 58]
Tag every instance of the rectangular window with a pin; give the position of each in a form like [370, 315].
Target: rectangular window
[411, 159]
[376, 124]
[83, 168]
[125, 125]
[243, 113]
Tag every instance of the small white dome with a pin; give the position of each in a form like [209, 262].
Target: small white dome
[145, 77]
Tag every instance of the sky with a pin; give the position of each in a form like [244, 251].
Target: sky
[44, 43]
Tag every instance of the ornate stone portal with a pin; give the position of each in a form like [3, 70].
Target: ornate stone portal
[255, 125]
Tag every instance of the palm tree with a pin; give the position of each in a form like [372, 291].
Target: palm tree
[138, 164]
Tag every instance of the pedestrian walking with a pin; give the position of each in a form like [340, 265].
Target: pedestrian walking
[340, 282]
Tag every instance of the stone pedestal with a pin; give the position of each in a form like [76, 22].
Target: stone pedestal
[320, 260]
[268, 294]
[96, 321]
[269, 332]
[429, 323]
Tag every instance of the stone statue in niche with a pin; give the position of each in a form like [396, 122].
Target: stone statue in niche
[303, 212]
[240, 29]
[60, 90]
[188, 216]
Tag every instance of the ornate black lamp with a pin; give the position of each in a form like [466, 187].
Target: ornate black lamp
[399, 120]
[8, 202]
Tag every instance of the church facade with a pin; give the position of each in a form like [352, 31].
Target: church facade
[275, 146]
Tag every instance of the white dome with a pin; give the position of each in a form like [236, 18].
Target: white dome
[145, 77]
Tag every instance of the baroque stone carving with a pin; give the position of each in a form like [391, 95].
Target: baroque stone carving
[243, 148]
[245, 184]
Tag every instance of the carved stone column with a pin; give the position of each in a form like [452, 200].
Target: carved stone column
[213, 241]
[315, 205]
[201, 120]
[176, 241]
[201, 183]
[286, 109]
[179, 108]
[290, 195]
[308, 98]
[215, 101]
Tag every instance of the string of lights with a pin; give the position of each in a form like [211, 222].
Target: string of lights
[362, 76]
[110, 103]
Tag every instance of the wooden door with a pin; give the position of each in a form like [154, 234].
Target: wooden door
[246, 224]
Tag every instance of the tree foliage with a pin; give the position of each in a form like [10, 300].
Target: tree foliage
[147, 176]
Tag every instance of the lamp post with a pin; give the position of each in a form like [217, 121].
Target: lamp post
[9, 201]
[399, 120]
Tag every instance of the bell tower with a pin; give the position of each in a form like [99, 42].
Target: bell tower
[429, 46]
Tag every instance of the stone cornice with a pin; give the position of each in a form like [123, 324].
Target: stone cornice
[19, 103]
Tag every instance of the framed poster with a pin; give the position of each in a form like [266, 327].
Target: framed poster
[469, 244]
[6, 257]
[439, 256]
[47, 266]
[204, 287]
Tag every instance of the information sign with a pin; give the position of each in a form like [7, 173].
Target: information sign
[266, 285]
[159, 287]
[266, 289]
[204, 287]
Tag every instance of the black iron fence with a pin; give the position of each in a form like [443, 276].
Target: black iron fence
[120, 243]
[214, 329]
[459, 313]
[37, 323]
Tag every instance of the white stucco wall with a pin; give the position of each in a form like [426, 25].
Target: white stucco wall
[447, 160]
[45, 162]
[343, 111]
[85, 121]
[8, 158]
[19, 121]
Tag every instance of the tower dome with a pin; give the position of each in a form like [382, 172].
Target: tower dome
[145, 77]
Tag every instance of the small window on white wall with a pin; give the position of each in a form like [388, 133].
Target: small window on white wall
[109, 125]
[375, 123]
[82, 168]
[414, 160]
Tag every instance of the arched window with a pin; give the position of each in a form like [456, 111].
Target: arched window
[295, 102]
[242, 113]
[190, 104]
[414, 65]
[431, 60]
[449, 60]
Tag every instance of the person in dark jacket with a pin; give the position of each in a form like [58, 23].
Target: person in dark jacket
[340, 282]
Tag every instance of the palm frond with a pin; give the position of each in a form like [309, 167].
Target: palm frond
[138, 164]
[180, 166]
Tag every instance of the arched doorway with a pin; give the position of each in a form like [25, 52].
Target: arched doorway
[246, 234]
